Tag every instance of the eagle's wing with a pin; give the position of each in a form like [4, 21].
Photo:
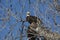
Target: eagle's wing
[37, 19]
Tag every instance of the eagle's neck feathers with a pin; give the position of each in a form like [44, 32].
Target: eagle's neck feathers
[28, 15]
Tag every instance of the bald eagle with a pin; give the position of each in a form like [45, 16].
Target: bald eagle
[31, 19]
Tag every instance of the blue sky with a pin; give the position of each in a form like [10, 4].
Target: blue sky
[16, 7]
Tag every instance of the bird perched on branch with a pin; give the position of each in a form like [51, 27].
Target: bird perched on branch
[31, 18]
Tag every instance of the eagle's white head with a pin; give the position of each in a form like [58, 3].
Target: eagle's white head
[28, 13]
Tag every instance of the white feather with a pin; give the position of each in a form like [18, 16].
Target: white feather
[28, 15]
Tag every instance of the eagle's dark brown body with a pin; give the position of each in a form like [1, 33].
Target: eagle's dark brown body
[31, 19]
